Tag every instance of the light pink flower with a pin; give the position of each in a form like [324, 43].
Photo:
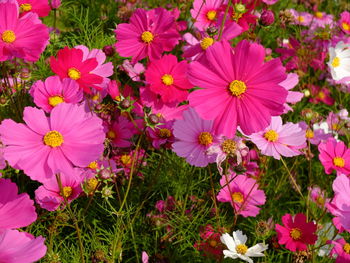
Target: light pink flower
[43, 146]
[301, 18]
[205, 13]
[293, 96]
[280, 140]
[341, 250]
[242, 193]
[53, 91]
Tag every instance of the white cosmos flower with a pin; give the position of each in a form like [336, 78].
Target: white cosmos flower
[339, 61]
[237, 248]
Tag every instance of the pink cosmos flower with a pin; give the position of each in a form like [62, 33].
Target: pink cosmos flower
[43, 146]
[344, 22]
[334, 156]
[40, 7]
[321, 95]
[168, 78]
[239, 89]
[20, 247]
[193, 138]
[318, 196]
[53, 91]
[241, 13]
[321, 19]
[120, 132]
[341, 250]
[314, 135]
[70, 63]
[296, 233]
[301, 18]
[280, 140]
[16, 210]
[162, 134]
[134, 71]
[24, 37]
[242, 193]
[149, 34]
[49, 195]
[205, 13]
[340, 204]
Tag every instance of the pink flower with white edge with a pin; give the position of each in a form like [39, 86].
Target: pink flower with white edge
[168, 78]
[296, 233]
[280, 140]
[341, 250]
[20, 247]
[16, 210]
[50, 196]
[53, 91]
[334, 156]
[340, 204]
[25, 37]
[45, 145]
[242, 193]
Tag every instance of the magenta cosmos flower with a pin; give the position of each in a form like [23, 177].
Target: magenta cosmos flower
[24, 37]
[340, 204]
[83, 67]
[40, 7]
[121, 131]
[53, 91]
[238, 88]
[43, 146]
[168, 78]
[162, 134]
[341, 250]
[205, 13]
[242, 193]
[344, 22]
[193, 138]
[280, 140]
[296, 233]
[20, 247]
[149, 34]
[334, 156]
[16, 210]
[49, 195]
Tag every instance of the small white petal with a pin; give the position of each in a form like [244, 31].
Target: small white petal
[255, 251]
[239, 237]
[228, 241]
[230, 254]
[245, 258]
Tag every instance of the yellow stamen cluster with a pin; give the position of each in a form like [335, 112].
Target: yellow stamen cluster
[53, 139]
[295, 233]
[164, 133]
[237, 88]
[111, 135]
[309, 134]
[237, 197]
[147, 37]
[206, 42]
[167, 79]
[229, 147]
[55, 100]
[205, 138]
[91, 185]
[336, 62]
[345, 26]
[93, 165]
[125, 159]
[319, 14]
[346, 248]
[8, 36]
[241, 249]
[271, 136]
[339, 162]
[211, 15]
[301, 19]
[74, 74]
[67, 191]
[25, 7]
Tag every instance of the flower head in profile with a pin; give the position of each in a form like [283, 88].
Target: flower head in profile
[280, 139]
[148, 34]
[243, 194]
[46, 145]
[193, 138]
[162, 135]
[238, 87]
[23, 37]
[237, 247]
[51, 92]
[296, 233]
[334, 156]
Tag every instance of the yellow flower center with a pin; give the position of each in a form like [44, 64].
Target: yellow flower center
[237, 197]
[125, 159]
[300, 19]
[213, 243]
[91, 184]
[335, 126]
[229, 146]
[8, 36]
[111, 135]
[147, 37]
[25, 7]
[346, 248]
[93, 165]
[320, 200]
[206, 42]
[295, 233]
[339, 162]
[53, 139]
[74, 74]
[237, 88]
[167, 79]
[271, 136]
[95, 97]
[55, 100]
[67, 191]
[336, 62]
[345, 26]
[205, 138]
[241, 249]
[321, 95]
[211, 15]
[319, 15]
[164, 133]
[309, 134]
